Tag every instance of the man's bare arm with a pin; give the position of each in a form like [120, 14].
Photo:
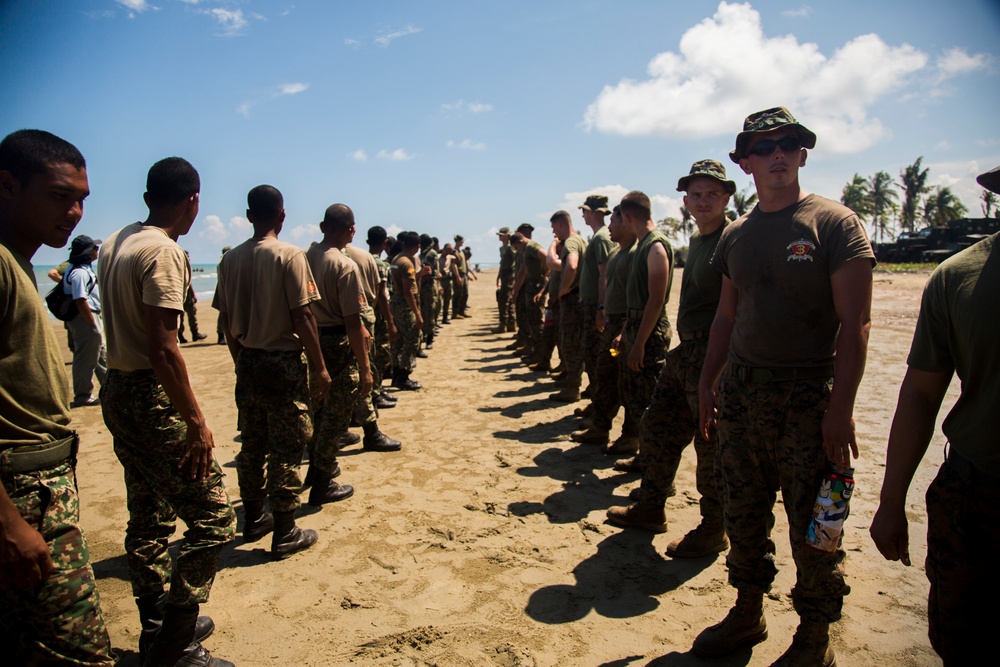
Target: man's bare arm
[658, 268]
[568, 273]
[716, 354]
[87, 315]
[304, 325]
[25, 560]
[360, 341]
[552, 259]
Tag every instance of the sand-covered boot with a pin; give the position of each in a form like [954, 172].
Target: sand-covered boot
[646, 517]
[704, 540]
[810, 647]
[743, 626]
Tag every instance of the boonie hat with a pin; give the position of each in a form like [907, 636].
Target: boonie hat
[597, 203]
[990, 180]
[459, 237]
[504, 231]
[765, 121]
[709, 168]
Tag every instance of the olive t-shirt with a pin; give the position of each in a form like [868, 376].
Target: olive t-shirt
[339, 283]
[957, 331]
[598, 250]
[34, 389]
[701, 284]
[781, 263]
[573, 244]
[614, 295]
[140, 266]
[637, 285]
[506, 260]
[403, 273]
[532, 262]
[260, 282]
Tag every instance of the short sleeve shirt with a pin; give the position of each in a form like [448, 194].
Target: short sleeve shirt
[956, 331]
[403, 273]
[82, 284]
[506, 260]
[701, 284]
[140, 266]
[532, 262]
[339, 283]
[614, 294]
[370, 274]
[574, 244]
[781, 263]
[260, 282]
[34, 391]
[598, 251]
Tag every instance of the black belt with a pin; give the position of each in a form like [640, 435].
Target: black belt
[572, 296]
[41, 457]
[685, 336]
[967, 468]
[760, 375]
[336, 330]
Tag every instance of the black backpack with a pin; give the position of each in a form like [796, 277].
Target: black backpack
[61, 304]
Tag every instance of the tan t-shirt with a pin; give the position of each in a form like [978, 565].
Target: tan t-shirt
[404, 275]
[140, 266]
[339, 284]
[34, 390]
[368, 269]
[260, 282]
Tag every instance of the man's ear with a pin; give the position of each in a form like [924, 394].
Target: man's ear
[9, 185]
[802, 161]
[745, 165]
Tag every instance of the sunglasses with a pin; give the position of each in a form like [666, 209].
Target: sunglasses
[765, 147]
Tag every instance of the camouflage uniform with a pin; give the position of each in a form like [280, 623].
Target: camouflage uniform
[572, 325]
[428, 293]
[505, 295]
[606, 398]
[448, 297]
[780, 447]
[381, 356]
[191, 309]
[149, 441]
[364, 406]
[407, 343]
[272, 396]
[333, 413]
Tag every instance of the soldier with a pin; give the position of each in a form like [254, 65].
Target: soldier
[646, 336]
[593, 283]
[160, 433]
[529, 289]
[450, 278]
[218, 321]
[461, 289]
[607, 397]
[385, 327]
[263, 297]
[428, 288]
[51, 610]
[572, 343]
[794, 314]
[405, 306]
[955, 335]
[550, 305]
[505, 283]
[671, 420]
[192, 315]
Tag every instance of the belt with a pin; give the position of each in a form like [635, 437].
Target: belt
[759, 375]
[41, 457]
[572, 296]
[967, 468]
[685, 336]
[336, 330]
[635, 313]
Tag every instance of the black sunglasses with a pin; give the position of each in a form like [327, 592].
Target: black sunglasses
[765, 147]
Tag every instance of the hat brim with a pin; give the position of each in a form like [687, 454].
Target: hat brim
[682, 183]
[990, 180]
[806, 136]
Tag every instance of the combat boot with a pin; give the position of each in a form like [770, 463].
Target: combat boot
[377, 441]
[647, 517]
[257, 523]
[743, 626]
[381, 403]
[810, 647]
[386, 396]
[175, 644]
[566, 395]
[325, 490]
[631, 464]
[540, 366]
[151, 611]
[635, 495]
[704, 540]
[623, 446]
[289, 538]
[585, 411]
[593, 436]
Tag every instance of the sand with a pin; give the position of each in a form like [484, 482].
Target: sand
[484, 541]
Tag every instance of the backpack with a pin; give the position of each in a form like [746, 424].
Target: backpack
[61, 304]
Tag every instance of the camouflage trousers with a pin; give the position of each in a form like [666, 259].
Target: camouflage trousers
[272, 395]
[591, 345]
[407, 343]
[572, 339]
[60, 622]
[769, 440]
[427, 300]
[332, 415]
[191, 309]
[962, 544]
[446, 298]
[550, 333]
[604, 395]
[364, 406]
[667, 428]
[532, 313]
[381, 352]
[505, 301]
[640, 384]
[458, 297]
[150, 440]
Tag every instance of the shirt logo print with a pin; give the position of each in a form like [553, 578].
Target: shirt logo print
[800, 250]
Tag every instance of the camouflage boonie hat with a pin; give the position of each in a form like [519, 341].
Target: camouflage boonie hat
[598, 203]
[504, 231]
[990, 180]
[709, 168]
[459, 237]
[765, 121]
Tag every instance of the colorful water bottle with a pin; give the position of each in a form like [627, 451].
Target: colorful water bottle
[833, 504]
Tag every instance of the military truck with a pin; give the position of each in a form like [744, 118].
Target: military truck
[935, 244]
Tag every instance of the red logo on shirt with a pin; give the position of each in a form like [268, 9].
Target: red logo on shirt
[800, 250]
[311, 287]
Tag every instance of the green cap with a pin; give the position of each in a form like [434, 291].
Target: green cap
[504, 231]
[990, 180]
[597, 203]
[709, 168]
[766, 121]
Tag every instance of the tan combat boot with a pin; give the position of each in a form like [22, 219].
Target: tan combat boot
[566, 395]
[590, 435]
[647, 517]
[744, 625]
[810, 647]
[702, 541]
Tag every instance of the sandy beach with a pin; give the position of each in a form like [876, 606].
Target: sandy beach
[484, 541]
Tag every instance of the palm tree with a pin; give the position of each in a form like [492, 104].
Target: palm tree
[883, 200]
[857, 196]
[687, 222]
[743, 201]
[914, 182]
[942, 206]
[990, 203]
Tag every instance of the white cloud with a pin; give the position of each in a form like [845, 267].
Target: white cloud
[956, 61]
[727, 67]
[466, 144]
[135, 5]
[800, 13]
[279, 91]
[240, 223]
[397, 155]
[307, 232]
[384, 38]
[942, 145]
[360, 155]
[663, 205]
[394, 230]
[231, 22]
[353, 43]
[471, 107]
[213, 231]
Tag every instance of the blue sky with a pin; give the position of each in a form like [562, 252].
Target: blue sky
[462, 117]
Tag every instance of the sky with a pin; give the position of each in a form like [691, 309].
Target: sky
[463, 117]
